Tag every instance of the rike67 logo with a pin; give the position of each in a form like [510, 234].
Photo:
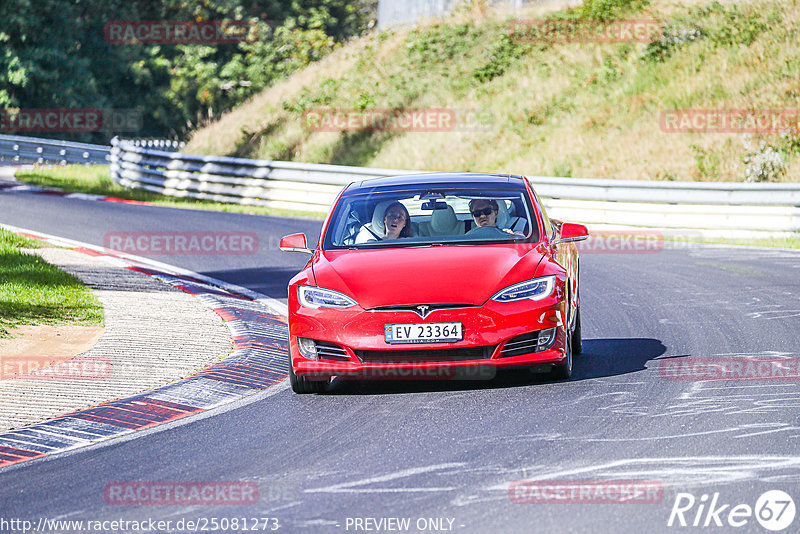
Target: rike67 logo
[774, 510]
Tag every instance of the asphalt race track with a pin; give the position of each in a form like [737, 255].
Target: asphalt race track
[444, 454]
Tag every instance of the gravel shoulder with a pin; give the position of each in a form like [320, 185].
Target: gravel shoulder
[155, 334]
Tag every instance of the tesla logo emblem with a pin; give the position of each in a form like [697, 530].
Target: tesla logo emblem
[423, 310]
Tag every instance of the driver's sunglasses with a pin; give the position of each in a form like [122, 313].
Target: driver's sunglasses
[398, 216]
[484, 211]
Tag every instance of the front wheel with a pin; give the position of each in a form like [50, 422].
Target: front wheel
[577, 341]
[564, 371]
[303, 385]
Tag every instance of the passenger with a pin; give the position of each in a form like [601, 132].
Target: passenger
[397, 222]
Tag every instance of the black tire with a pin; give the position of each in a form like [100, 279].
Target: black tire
[564, 372]
[577, 341]
[303, 385]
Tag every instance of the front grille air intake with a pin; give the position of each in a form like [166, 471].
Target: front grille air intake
[331, 351]
[427, 355]
[528, 343]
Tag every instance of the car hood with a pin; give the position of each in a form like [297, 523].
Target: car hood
[426, 275]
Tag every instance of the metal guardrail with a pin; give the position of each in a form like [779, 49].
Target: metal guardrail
[15, 150]
[275, 184]
[714, 193]
[728, 209]
[722, 208]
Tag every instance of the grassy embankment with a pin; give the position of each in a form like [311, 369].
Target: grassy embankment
[579, 109]
[33, 291]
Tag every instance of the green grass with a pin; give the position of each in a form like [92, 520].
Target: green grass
[580, 109]
[33, 291]
[96, 180]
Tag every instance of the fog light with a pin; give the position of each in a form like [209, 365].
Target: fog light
[308, 349]
[546, 339]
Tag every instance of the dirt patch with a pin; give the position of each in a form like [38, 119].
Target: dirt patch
[38, 347]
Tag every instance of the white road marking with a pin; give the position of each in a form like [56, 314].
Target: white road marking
[350, 487]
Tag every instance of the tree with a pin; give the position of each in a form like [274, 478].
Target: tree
[54, 55]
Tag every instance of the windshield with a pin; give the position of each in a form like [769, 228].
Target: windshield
[430, 216]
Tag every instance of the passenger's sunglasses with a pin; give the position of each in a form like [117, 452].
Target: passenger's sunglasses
[484, 211]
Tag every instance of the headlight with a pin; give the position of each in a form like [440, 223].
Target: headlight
[319, 297]
[307, 347]
[535, 289]
[546, 339]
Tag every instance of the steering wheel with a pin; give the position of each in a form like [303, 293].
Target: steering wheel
[487, 232]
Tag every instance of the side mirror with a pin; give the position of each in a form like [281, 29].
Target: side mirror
[295, 243]
[570, 233]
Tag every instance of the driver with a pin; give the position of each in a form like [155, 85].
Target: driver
[484, 212]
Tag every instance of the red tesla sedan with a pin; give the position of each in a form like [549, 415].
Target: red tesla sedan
[435, 276]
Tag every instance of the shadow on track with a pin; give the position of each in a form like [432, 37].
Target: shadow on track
[615, 356]
[600, 358]
[269, 281]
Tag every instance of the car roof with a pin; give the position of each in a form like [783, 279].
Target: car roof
[439, 178]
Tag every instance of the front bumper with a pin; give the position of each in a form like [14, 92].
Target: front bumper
[358, 332]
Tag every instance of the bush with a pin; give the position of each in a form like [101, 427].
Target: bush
[440, 42]
[610, 9]
[321, 95]
[791, 140]
[733, 25]
[764, 164]
[673, 36]
[502, 54]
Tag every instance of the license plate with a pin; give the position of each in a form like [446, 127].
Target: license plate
[424, 333]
